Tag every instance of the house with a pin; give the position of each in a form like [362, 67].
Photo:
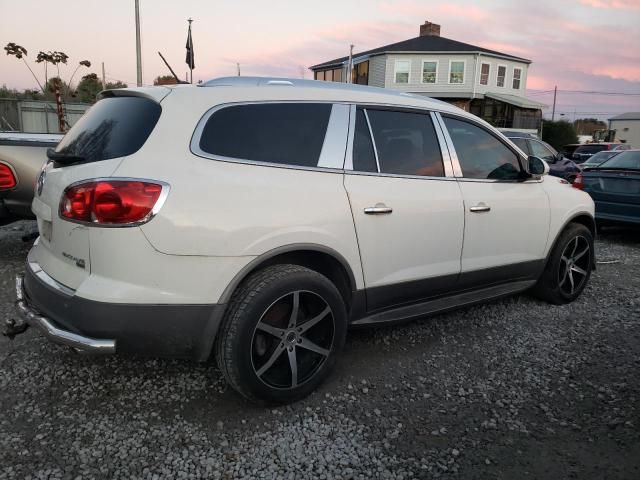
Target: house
[627, 127]
[485, 82]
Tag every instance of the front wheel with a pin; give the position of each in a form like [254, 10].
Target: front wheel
[568, 267]
[281, 334]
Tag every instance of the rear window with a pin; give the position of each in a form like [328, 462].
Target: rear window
[113, 127]
[629, 160]
[590, 148]
[282, 133]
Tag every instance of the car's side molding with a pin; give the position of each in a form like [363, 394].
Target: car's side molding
[286, 249]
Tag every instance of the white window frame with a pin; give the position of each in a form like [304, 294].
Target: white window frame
[504, 83]
[488, 74]
[395, 72]
[464, 72]
[429, 60]
[513, 78]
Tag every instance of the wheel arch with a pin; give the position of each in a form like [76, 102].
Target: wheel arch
[582, 218]
[322, 259]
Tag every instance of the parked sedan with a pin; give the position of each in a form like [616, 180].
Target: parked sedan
[21, 158]
[559, 165]
[599, 158]
[615, 188]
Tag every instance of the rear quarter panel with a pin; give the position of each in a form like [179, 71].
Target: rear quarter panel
[26, 162]
[229, 209]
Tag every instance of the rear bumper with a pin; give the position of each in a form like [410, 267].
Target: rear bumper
[100, 327]
[55, 334]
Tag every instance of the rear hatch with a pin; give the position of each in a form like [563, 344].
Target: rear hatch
[115, 127]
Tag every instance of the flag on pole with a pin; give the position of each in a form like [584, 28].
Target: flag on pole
[190, 58]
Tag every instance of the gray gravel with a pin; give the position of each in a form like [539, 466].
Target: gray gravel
[513, 389]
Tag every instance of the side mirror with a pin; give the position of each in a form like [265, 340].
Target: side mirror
[537, 166]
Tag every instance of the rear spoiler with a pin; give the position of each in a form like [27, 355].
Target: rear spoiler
[157, 94]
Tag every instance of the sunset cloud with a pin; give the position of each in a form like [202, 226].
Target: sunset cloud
[616, 4]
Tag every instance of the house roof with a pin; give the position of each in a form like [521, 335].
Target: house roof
[425, 43]
[627, 116]
[516, 100]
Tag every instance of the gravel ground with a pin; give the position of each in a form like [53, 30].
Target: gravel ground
[512, 389]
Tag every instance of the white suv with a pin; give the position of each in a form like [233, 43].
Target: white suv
[257, 219]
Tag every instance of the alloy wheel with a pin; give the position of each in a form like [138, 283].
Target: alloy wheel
[292, 339]
[574, 265]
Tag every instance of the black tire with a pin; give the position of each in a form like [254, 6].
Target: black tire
[568, 267]
[257, 345]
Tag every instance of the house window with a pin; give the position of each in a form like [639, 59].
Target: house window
[456, 72]
[320, 75]
[517, 74]
[502, 73]
[485, 68]
[429, 71]
[334, 75]
[402, 71]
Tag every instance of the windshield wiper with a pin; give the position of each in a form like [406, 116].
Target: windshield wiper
[64, 158]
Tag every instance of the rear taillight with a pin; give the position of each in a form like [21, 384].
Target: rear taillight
[578, 182]
[112, 202]
[7, 178]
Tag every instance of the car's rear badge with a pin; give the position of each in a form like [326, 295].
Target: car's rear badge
[79, 261]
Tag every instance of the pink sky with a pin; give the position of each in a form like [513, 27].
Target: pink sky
[588, 45]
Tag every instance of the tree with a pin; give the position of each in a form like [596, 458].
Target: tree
[88, 88]
[165, 80]
[586, 126]
[558, 134]
[114, 85]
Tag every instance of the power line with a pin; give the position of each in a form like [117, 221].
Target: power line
[585, 92]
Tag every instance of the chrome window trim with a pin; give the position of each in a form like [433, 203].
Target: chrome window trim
[453, 156]
[444, 150]
[336, 138]
[396, 175]
[373, 140]
[164, 193]
[194, 144]
[348, 154]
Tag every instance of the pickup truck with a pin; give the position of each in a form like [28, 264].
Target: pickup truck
[22, 156]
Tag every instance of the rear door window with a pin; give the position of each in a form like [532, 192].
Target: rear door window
[406, 143]
[481, 155]
[114, 127]
[281, 133]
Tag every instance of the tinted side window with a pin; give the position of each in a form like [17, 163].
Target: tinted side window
[285, 133]
[113, 127]
[364, 159]
[481, 155]
[406, 143]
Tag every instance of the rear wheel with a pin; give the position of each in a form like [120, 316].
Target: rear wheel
[568, 267]
[281, 334]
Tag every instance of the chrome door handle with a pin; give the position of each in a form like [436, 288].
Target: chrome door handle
[481, 207]
[379, 209]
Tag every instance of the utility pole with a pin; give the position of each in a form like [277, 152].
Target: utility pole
[350, 67]
[553, 112]
[104, 80]
[138, 48]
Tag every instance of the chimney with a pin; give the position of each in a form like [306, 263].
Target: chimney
[429, 29]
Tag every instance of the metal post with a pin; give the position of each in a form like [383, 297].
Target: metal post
[138, 48]
[104, 79]
[350, 67]
[238, 65]
[553, 112]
